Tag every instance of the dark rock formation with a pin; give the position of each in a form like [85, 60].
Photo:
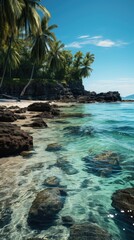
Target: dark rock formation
[104, 164]
[57, 91]
[13, 140]
[123, 200]
[101, 97]
[39, 107]
[37, 123]
[48, 111]
[45, 207]
[7, 116]
[87, 231]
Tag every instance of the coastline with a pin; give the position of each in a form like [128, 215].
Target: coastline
[72, 142]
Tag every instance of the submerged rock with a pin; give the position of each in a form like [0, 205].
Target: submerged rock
[5, 214]
[13, 140]
[78, 130]
[103, 164]
[87, 231]
[66, 166]
[67, 221]
[123, 200]
[53, 147]
[52, 181]
[46, 206]
[75, 115]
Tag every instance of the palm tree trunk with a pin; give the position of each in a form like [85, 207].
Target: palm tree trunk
[29, 82]
[6, 61]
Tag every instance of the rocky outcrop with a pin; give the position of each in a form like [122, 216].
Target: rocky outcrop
[101, 97]
[55, 90]
[39, 107]
[47, 110]
[46, 206]
[88, 231]
[13, 140]
[123, 201]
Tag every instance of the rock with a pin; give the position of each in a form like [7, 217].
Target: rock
[53, 147]
[7, 116]
[52, 181]
[13, 140]
[20, 116]
[67, 221]
[39, 107]
[104, 164]
[48, 111]
[79, 130]
[123, 200]
[66, 166]
[20, 110]
[108, 97]
[75, 115]
[46, 206]
[5, 214]
[87, 231]
[37, 123]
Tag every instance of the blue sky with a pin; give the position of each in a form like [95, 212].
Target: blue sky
[104, 28]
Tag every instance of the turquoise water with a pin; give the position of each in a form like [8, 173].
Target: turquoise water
[108, 130]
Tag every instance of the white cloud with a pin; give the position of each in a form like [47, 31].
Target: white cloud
[73, 45]
[84, 36]
[105, 43]
[98, 41]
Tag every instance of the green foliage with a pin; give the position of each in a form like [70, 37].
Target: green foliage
[29, 49]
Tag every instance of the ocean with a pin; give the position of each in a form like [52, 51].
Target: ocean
[88, 135]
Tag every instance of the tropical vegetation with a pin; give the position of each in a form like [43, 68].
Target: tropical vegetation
[30, 50]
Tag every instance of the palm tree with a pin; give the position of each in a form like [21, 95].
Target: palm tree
[16, 15]
[29, 19]
[42, 43]
[56, 58]
[85, 68]
[10, 11]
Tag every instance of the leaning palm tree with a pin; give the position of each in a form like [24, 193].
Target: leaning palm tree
[42, 43]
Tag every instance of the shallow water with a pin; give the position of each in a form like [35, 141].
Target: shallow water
[109, 129]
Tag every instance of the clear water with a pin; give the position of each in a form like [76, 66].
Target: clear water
[110, 128]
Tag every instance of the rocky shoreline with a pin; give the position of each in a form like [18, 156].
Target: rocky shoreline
[50, 200]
